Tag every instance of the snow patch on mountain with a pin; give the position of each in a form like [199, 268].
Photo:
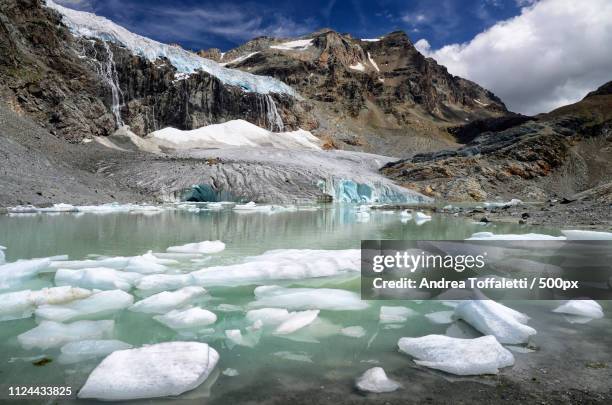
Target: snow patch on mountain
[297, 45]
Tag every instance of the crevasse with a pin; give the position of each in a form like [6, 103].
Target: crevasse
[89, 25]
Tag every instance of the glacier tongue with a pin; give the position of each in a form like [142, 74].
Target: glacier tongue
[89, 25]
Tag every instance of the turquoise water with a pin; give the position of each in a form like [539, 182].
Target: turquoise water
[316, 356]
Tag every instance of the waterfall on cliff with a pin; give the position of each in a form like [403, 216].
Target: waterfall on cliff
[107, 71]
[272, 118]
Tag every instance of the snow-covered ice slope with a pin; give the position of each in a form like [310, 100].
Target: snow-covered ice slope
[89, 25]
[234, 133]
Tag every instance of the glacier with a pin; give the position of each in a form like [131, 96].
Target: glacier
[89, 25]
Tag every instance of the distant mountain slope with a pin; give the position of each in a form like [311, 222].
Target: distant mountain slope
[564, 152]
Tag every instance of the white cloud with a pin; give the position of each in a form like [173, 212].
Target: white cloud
[550, 55]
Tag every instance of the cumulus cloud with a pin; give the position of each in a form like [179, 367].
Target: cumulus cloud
[550, 55]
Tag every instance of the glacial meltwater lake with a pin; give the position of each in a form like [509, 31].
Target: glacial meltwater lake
[323, 356]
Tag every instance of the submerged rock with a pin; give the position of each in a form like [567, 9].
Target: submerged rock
[483, 355]
[395, 314]
[158, 370]
[492, 318]
[353, 331]
[376, 380]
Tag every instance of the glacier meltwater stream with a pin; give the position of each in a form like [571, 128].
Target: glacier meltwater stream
[281, 304]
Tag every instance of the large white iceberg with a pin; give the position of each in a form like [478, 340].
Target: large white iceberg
[158, 370]
[83, 350]
[100, 278]
[99, 304]
[307, 298]
[492, 318]
[483, 355]
[49, 334]
[13, 274]
[583, 308]
[188, 318]
[376, 380]
[167, 301]
[207, 246]
[89, 25]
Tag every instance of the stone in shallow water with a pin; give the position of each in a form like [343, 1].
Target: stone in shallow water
[159, 370]
[583, 308]
[99, 304]
[376, 380]
[188, 318]
[395, 314]
[492, 318]
[100, 278]
[166, 301]
[483, 355]
[49, 334]
[200, 247]
[308, 298]
[83, 350]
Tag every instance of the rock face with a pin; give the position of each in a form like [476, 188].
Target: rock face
[561, 153]
[80, 88]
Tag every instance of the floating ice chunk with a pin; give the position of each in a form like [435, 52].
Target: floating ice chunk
[49, 334]
[164, 302]
[363, 216]
[395, 314]
[164, 282]
[281, 264]
[296, 321]
[353, 331]
[267, 316]
[421, 216]
[13, 274]
[441, 317]
[201, 247]
[148, 264]
[251, 206]
[526, 236]
[583, 308]
[16, 305]
[230, 372]
[2, 256]
[229, 308]
[158, 370]
[376, 380]
[483, 355]
[492, 318]
[513, 202]
[97, 305]
[307, 298]
[100, 278]
[406, 214]
[188, 318]
[236, 338]
[110, 262]
[59, 208]
[58, 295]
[587, 235]
[83, 350]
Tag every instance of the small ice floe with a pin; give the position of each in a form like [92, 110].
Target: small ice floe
[376, 380]
[519, 237]
[22, 209]
[21, 304]
[406, 215]
[421, 218]
[15, 273]
[395, 314]
[252, 206]
[206, 247]
[363, 214]
[285, 322]
[187, 318]
[296, 321]
[230, 372]
[586, 235]
[58, 295]
[158, 370]
[441, 317]
[166, 301]
[100, 278]
[513, 202]
[236, 338]
[83, 350]
[100, 304]
[59, 208]
[148, 264]
[307, 298]
[353, 331]
[580, 311]
[483, 355]
[49, 334]
[492, 318]
[116, 263]
[303, 357]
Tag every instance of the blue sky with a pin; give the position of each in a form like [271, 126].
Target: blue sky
[200, 24]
